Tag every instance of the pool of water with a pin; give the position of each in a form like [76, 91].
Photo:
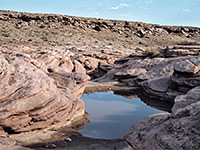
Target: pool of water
[111, 116]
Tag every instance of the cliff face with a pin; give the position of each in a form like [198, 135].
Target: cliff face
[89, 33]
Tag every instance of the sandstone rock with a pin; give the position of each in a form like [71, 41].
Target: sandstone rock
[2, 132]
[187, 81]
[52, 62]
[15, 147]
[76, 82]
[91, 63]
[159, 85]
[30, 99]
[161, 31]
[186, 74]
[182, 50]
[186, 47]
[178, 130]
[188, 66]
[78, 67]
[157, 77]
[158, 89]
[130, 73]
[162, 81]
[182, 101]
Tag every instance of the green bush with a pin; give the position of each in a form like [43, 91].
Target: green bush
[150, 53]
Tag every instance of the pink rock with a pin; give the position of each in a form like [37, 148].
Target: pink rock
[30, 99]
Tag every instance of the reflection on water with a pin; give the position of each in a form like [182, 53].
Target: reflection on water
[111, 116]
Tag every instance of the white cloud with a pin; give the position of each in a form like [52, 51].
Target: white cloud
[115, 8]
[120, 6]
[186, 10]
[124, 5]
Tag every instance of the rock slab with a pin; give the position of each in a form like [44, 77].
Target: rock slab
[31, 98]
[179, 130]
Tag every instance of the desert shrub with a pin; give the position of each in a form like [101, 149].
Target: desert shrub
[150, 53]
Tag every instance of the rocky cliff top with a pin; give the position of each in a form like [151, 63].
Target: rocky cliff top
[89, 33]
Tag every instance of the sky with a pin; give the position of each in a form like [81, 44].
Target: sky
[164, 12]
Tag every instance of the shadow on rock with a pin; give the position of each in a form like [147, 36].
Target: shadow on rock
[155, 103]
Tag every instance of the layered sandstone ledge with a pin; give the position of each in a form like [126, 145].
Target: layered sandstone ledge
[39, 91]
[164, 79]
[177, 130]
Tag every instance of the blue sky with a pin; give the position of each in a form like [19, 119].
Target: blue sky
[165, 12]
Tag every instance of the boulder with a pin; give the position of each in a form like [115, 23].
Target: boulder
[2, 132]
[78, 67]
[179, 130]
[181, 101]
[76, 82]
[158, 78]
[186, 74]
[31, 99]
[162, 79]
[49, 61]
[130, 73]
[159, 85]
[188, 66]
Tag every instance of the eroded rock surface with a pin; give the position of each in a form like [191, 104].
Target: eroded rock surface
[159, 78]
[31, 99]
[169, 80]
[179, 130]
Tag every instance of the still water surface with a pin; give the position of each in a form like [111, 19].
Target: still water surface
[111, 116]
